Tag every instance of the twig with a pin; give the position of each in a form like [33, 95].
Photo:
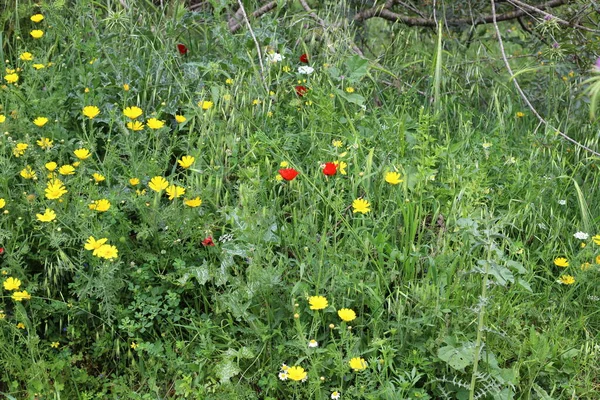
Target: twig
[525, 6]
[235, 23]
[312, 14]
[522, 94]
[258, 49]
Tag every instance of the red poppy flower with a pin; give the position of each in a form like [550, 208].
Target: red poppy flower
[301, 90]
[304, 58]
[208, 241]
[288, 173]
[330, 169]
[182, 49]
[1, 250]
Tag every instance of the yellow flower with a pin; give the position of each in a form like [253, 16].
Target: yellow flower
[106, 251]
[585, 266]
[93, 244]
[38, 66]
[132, 112]
[206, 105]
[566, 280]
[227, 97]
[286, 68]
[561, 262]
[86, 90]
[12, 284]
[358, 364]
[20, 325]
[36, 33]
[55, 189]
[284, 164]
[28, 173]
[317, 302]
[20, 296]
[341, 167]
[229, 81]
[596, 239]
[197, 202]
[186, 161]
[98, 177]
[47, 216]
[296, 373]
[66, 170]
[175, 191]
[55, 345]
[337, 143]
[134, 345]
[256, 102]
[2, 203]
[347, 314]
[27, 56]
[101, 205]
[2, 315]
[44, 143]
[180, 119]
[360, 206]
[520, 114]
[11, 78]
[393, 178]
[126, 87]
[51, 166]
[37, 18]
[350, 89]
[135, 125]
[2, 118]
[76, 164]
[19, 149]
[40, 121]
[82, 154]
[91, 111]
[154, 123]
[158, 183]
[134, 181]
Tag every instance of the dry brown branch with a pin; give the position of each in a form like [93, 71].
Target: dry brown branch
[528, 7]
[236, 21]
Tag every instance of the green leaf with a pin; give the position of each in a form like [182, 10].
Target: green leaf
[457, 357]
[357, 68]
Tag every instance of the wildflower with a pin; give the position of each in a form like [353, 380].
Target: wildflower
[486, 145]
[2, 204]
[134, 345]
[101, 205]
[361, 206]
[98, 177]
[596, 239]
[337, 143]
[562, 202]
[256, 102]
[40, 121]
[26, 56]
[126, 87]
[350, 89]
[182, 49]
[93, 244]
[305, 70]
[11, 284]
[581, 235]
[313, 344]
[296, 373]
[206, 105]
[330, 169]
[275, 57]
[347, 314]
[341, 166]
[566, 280]
[19, 149]
[91, 111]
[227, 97]
[2, 315]
[134, 181]
[561, 262]
[317, 302]
[45, 143]
[301, 90]
[48, 216]
[196, 202]
[106, 251]
[154, 123]
[158, 183]
[20, 296]
[288, 173]
[38, 66]
[135, 125]
[132, 112]
[55, 189]
[20, 325]
[304, 58]
[358, 364]
[28, 173]
[585, 266]
[2, 118]
[51, 166]
[186, 161]
[229, 81]
[180, 119]
[55, 345]
[36, 33]
[286, 68]
[208, 242]
[283, 376]
[335, 395]
[393, 178]
[82, 153]
[66, 170]
[174, 191]
[37, 18]
[520, 114]
[11, 78]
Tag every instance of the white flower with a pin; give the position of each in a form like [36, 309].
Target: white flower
[283, 376]
[313, 343]
[581, 235]
[275, 57]
[562, 202]
[305, 70]
[335, 395]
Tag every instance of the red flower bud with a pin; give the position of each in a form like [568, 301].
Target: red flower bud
[182, 49]
[288, 173]
[304, 58]
[301, 90]
[330, 169]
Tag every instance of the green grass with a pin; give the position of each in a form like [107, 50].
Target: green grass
[451, 273]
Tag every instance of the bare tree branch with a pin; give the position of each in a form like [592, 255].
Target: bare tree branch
[527, 7]
[235, 22]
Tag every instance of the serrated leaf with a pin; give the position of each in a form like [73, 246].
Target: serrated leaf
[456, 357]
[226, 369]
